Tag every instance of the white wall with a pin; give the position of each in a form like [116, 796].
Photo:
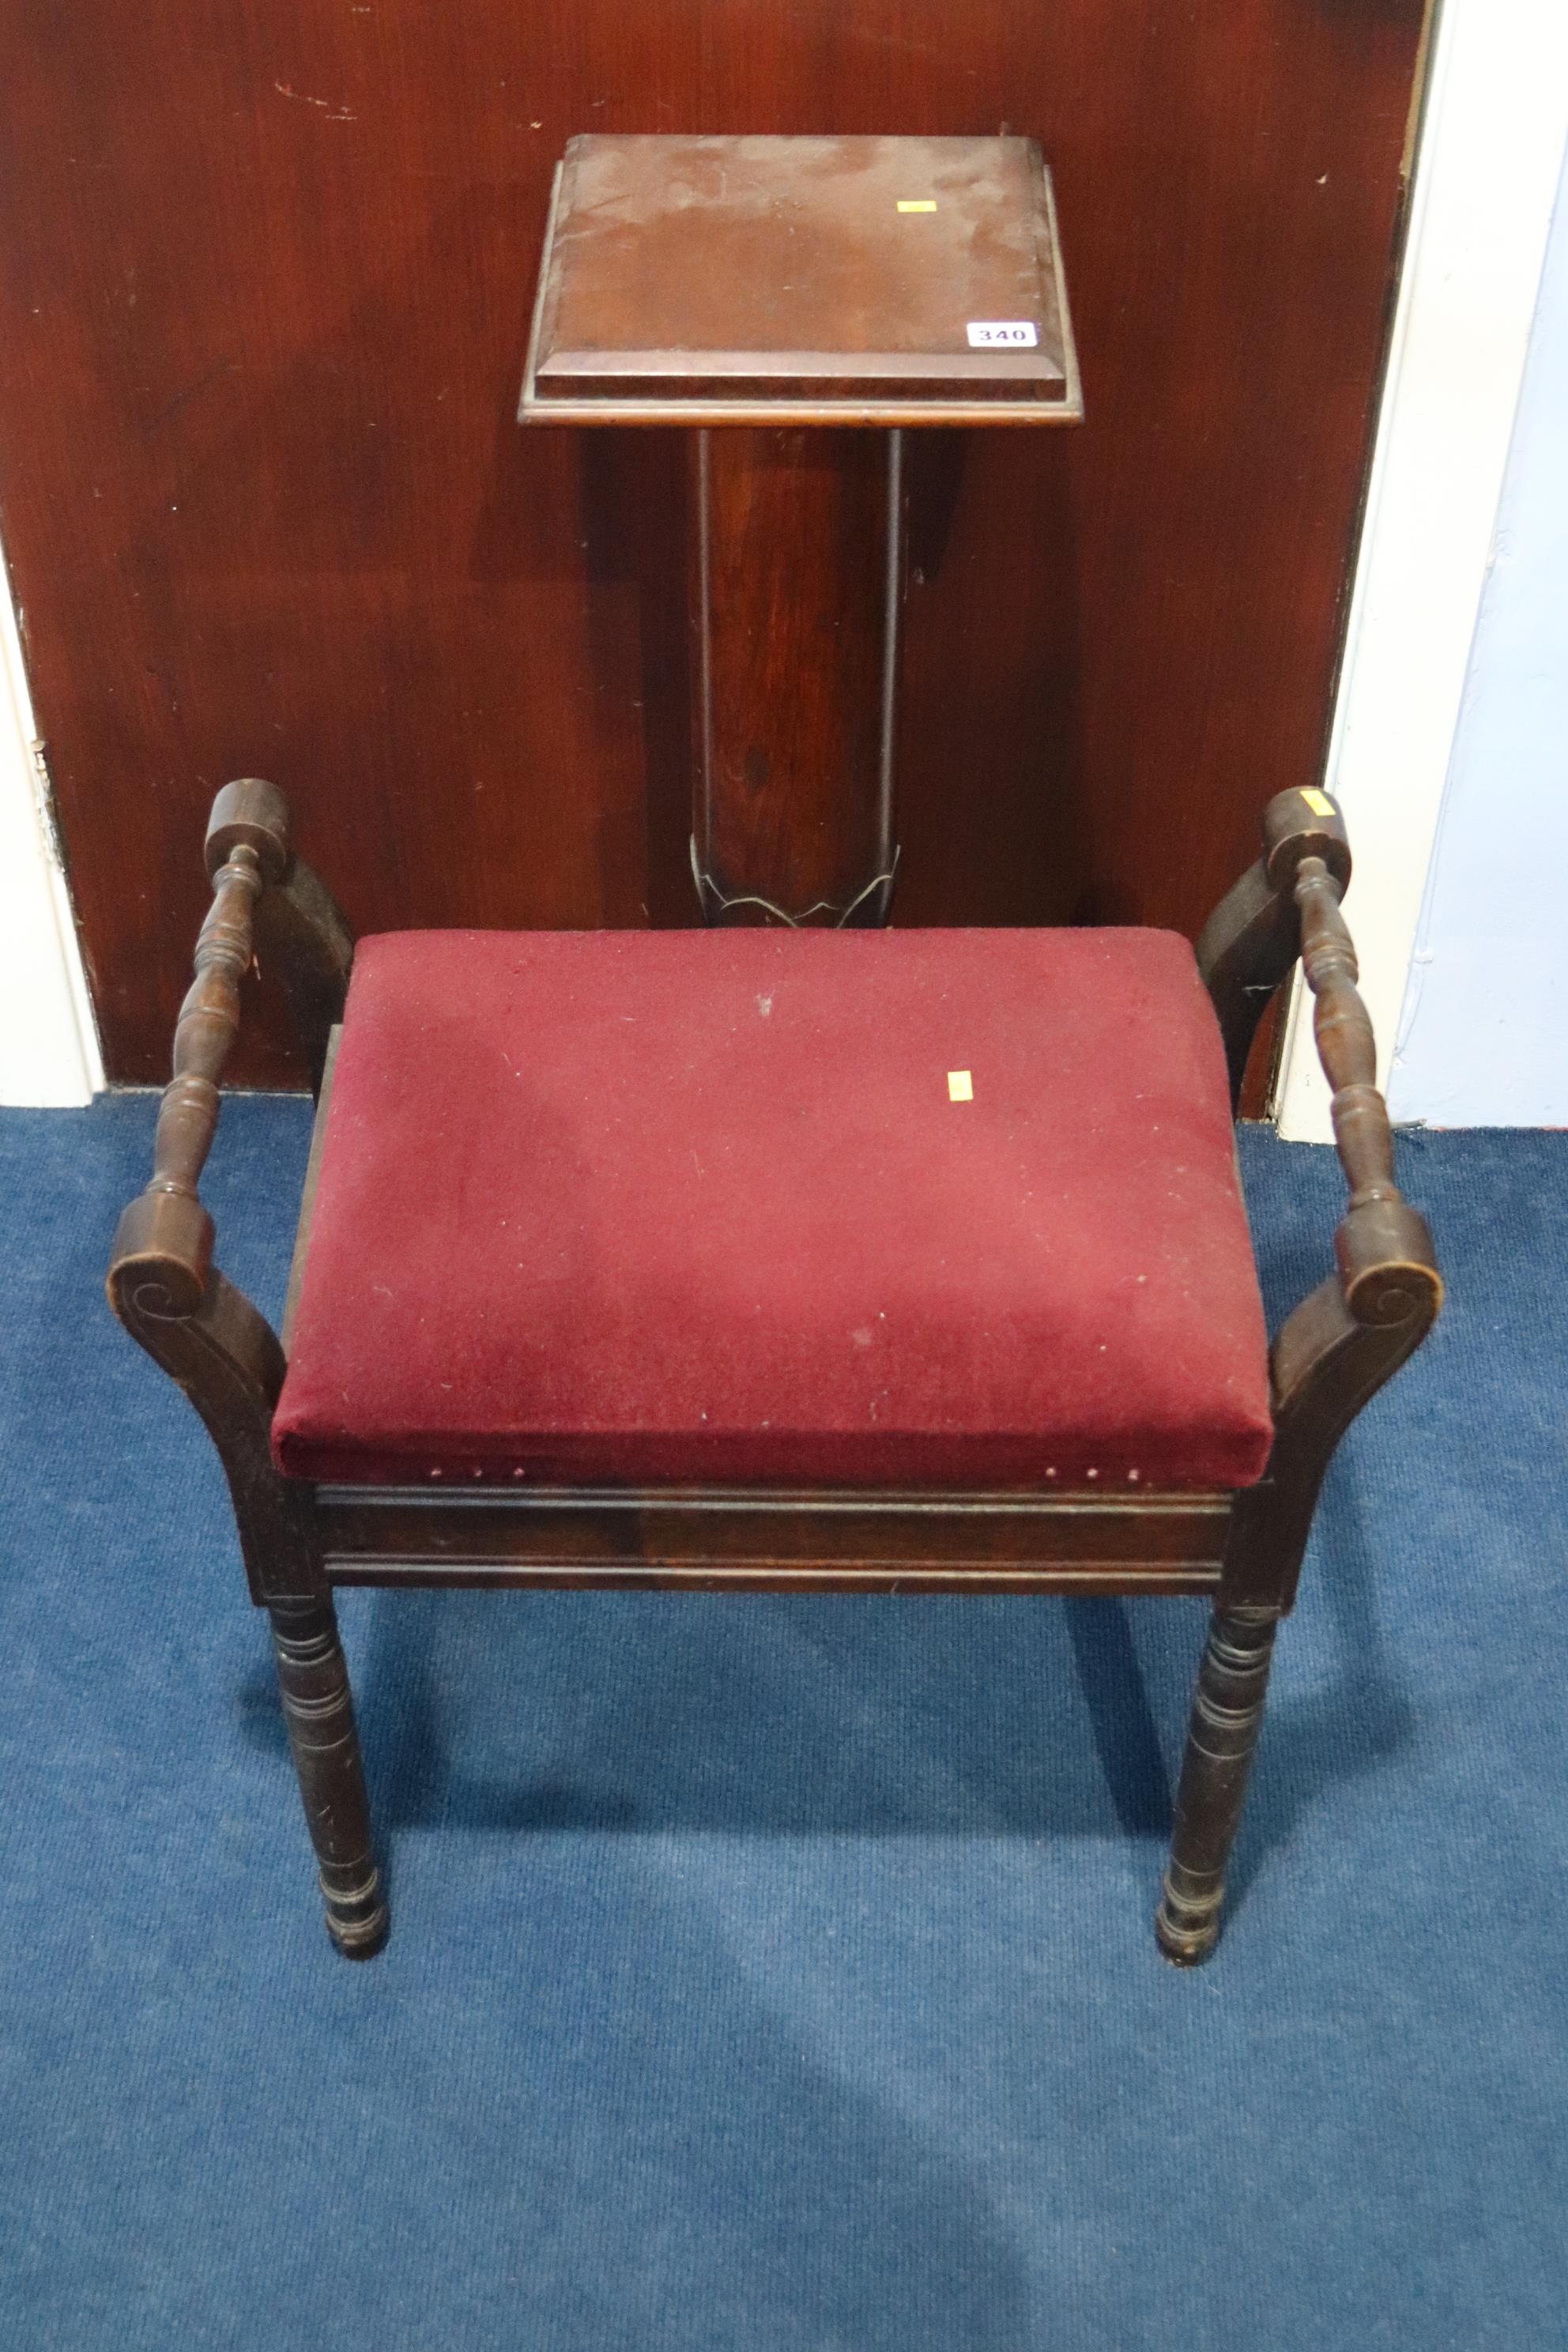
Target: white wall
[49, 1044]
[1484, 1038]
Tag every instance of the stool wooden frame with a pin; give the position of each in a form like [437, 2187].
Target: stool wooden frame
[300, 1540]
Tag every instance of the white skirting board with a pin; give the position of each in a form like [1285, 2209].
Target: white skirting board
[48, 1044]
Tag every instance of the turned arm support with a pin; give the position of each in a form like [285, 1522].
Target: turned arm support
[1250, 943]
[261, 890]
[166, 1235]
[163, 1284]
[1386, 1264]
[1287, 907]
[1353, 1333]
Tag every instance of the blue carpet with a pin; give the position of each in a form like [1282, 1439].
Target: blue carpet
[775, 1973]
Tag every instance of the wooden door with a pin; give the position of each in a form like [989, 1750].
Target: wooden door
[265, 274]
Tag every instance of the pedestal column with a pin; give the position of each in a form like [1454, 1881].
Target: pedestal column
[798, 565]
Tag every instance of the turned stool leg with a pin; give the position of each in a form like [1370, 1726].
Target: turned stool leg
[319, 1710]
[1226, 1713]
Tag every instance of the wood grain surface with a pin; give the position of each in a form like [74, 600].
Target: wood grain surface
[264, 283]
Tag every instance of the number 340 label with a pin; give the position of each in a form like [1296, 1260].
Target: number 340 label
[1018, 334]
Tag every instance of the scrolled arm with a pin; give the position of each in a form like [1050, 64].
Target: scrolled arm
[163, 1284]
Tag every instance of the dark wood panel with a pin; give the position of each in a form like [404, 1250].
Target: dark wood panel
[265, 278]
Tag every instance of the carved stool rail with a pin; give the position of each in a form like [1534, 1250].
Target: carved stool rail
[472, 1518]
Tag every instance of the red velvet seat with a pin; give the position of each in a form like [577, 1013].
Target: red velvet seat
[697, 1206]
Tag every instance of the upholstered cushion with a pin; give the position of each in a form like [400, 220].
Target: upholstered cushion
[699, 1205]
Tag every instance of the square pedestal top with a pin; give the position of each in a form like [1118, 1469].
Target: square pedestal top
[829, 281]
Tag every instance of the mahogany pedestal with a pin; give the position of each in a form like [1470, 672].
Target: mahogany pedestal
[813, 298]
[799, 561]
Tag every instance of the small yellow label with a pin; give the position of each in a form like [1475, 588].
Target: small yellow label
[1320, 803]
[917, 204]
[960, 1087]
